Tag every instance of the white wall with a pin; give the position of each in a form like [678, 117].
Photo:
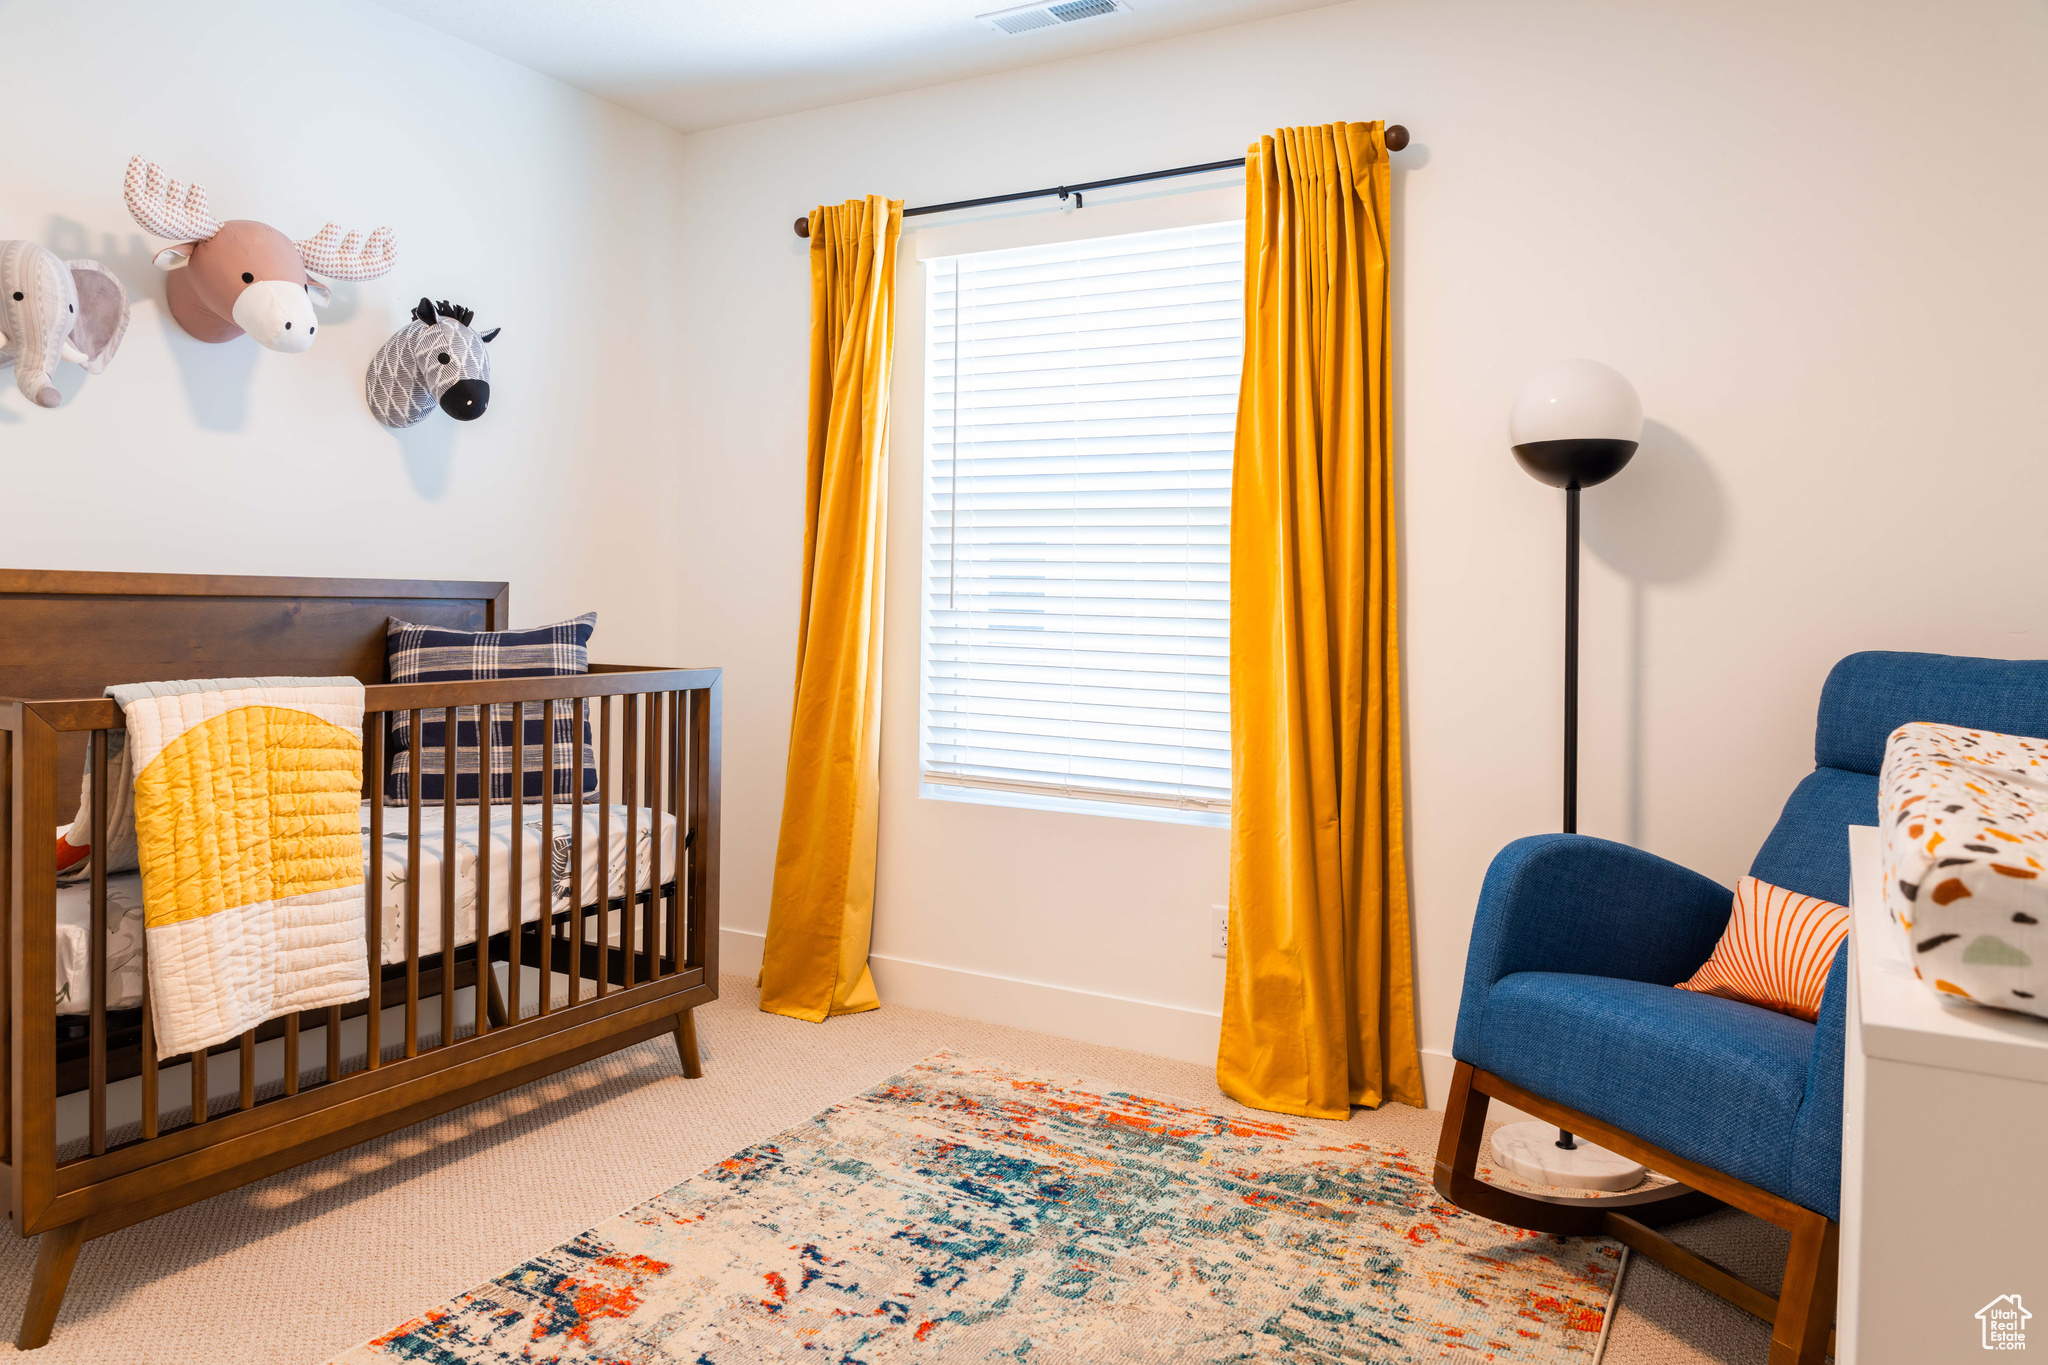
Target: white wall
[1810, 234]
[544, 209]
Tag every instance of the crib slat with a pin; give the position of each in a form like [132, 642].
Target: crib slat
[686, 819]
[604, 846]
[150, 1117]
[199, 1086]
[578, 930]
[412, 894]
[515, 876]
[375, 724]
[676, 804]
[629, 917]
[679, 931]
[544, 874]
[484, 777]
[654, 746]
[7, 918]
[449, 718]
[97, 1045]
[248, 1041]
[700, 802]
[291, 1053]
[334, 1034]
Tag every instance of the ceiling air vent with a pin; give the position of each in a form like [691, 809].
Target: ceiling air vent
[1027, 18]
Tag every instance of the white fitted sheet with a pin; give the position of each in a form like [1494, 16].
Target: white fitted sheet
[124, 892]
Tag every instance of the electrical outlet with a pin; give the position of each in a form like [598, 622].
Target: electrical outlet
[1220, 915]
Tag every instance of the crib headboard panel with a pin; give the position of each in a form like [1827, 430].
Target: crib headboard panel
[66, 634]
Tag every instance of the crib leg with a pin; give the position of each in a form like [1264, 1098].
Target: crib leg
[56, 1253]
[686, 1044]
[494, 996]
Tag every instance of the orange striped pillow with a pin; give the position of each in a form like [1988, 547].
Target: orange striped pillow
[1775, 952]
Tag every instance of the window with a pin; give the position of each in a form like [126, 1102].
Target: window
[1079, 412]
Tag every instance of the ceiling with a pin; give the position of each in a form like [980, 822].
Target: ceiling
[696, 64]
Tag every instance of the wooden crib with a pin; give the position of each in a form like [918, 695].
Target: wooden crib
[634, 964]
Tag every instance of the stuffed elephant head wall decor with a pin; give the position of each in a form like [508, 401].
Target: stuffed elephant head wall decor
[52, 310]
[238, 276]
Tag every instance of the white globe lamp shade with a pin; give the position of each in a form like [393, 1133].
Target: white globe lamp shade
[1576, 424]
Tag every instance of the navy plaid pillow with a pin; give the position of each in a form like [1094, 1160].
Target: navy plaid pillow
[421, 654]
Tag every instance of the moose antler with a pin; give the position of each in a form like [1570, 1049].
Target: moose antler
[328, 253]
[165, 208]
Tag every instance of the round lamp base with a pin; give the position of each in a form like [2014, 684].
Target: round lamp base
[1530, 1151]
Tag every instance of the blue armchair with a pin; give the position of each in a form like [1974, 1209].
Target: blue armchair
[1569, 1012]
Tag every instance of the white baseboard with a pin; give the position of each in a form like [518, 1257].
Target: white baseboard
[1437, 1067]
[739, 951]
[1146, 1026]
[1117, 1021]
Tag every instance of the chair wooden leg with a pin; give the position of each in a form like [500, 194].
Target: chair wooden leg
[56, 1254]
[686, 1044]
[1802, 1315]
[1806, 1300]
[1456, 1175]
[1457, 1147]
[1456, 1178]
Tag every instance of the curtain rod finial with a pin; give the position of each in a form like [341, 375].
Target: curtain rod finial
[1397, 137]
[803, 226]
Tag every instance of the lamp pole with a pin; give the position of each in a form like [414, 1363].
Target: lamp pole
[1571, 659]
[1575, 425]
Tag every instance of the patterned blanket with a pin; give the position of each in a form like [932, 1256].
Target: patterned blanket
[246, 792]
[1965, 818]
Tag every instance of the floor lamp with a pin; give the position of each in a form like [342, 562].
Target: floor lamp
[1575, 425]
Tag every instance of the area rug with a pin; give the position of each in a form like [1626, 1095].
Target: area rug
[976, 1212]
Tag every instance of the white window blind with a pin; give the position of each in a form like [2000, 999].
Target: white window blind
[1080, 406]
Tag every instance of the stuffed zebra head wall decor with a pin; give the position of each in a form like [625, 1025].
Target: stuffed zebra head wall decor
[434, 358]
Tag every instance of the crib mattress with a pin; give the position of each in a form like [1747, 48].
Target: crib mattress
[544, 861]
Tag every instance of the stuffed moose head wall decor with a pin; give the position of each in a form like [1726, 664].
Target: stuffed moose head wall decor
[240, 276]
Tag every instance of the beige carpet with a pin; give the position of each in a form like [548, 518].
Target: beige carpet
[306, 1264]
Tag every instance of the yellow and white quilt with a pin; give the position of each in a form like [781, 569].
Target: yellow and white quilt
[246, 793]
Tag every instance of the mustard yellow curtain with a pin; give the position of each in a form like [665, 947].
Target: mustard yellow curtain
[1319, 1003]
[816, 959]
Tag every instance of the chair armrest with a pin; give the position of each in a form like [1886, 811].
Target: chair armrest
[1573, 903]
[1817, 1136]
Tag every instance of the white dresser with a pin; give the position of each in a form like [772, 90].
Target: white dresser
[1944, 1158]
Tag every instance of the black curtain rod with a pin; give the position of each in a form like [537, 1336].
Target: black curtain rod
[1397, 138]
